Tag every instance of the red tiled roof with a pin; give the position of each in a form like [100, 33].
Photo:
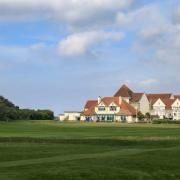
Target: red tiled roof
[177, 97]
[90, 103]
[128, 107]
[89, 108]
[136, 97]
[124, 91]
[157, 96]
[109, 100]
[125, 108]
[168, 102]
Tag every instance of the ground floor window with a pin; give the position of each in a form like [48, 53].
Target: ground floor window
[123, 118]
[104, 118]
[110, 117]
[88, 118]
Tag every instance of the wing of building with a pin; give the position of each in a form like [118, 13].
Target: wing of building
[163, 105]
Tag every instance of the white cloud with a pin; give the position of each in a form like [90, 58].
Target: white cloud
[156, 35]
[146, 16]
[79, 43]
[177, 14]
[148, 83]
[72, 12]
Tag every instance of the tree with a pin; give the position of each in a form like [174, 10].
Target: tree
[8, 111]
[148, 116]
[140, 116]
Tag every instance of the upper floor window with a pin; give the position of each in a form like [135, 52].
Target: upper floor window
[101, 108]
[112, 108]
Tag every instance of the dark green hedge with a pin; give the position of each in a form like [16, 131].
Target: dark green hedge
[166, 121]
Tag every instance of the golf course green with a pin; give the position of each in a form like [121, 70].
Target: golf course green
[52, 150]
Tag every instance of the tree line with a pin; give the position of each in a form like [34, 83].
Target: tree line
[8, 111]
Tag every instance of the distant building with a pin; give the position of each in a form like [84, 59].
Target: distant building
[124, 106]
[162, 105]
[138, 100]
[70, 116]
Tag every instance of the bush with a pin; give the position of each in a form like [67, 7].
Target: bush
[165, 121]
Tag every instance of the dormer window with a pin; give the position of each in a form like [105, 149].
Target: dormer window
[112, 108]
[101, 108]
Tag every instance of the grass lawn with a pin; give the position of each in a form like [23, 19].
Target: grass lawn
[49, 150]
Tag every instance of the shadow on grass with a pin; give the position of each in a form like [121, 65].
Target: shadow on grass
[151, 143]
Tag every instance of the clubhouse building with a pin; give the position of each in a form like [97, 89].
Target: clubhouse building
[125, 104]
[108, 109]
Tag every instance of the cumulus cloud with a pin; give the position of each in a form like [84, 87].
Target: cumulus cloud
[157, 36]
[79, 43]
[145, 16]
[152, 28]
[73, 12]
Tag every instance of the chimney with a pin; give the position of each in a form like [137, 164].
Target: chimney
[120, 99]
[99, 99]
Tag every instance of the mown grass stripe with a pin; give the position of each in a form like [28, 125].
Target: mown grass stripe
[123, 152]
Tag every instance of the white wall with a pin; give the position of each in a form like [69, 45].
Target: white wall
[144, 104]
[176, 110]
[159, 109]
[70, 116]
[61, 117]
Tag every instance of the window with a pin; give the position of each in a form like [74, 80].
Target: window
[110, 118]
[103, 118]
[123, 118]
[101, 108]
[112, 108]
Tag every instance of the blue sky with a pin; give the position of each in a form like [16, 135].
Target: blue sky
[56, 54]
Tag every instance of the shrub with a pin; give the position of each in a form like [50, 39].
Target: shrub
[166, 121]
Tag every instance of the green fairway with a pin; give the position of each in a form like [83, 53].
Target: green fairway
[41, 150]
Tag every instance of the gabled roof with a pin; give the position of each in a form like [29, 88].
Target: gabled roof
[136, 97]
[90, 103]
[167, 102]
[124, 91]
[177, 97]
[125, 108]
[128, 107]
[89, 108]
[157, 96]
[109, 100]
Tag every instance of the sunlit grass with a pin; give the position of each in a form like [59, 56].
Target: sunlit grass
[51, 150]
